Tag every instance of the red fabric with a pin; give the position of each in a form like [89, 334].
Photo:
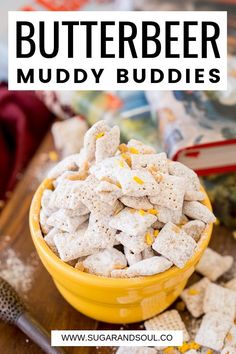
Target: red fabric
[23, 122]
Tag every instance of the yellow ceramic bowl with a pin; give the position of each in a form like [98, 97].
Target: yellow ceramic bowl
[109, 299]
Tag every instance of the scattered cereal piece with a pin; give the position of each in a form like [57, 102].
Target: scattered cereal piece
[168, 320]
[231, 284]
[212, 265]
[194, 296]
[213, 330]
[228, 350]
[230, 339]
[220, 299]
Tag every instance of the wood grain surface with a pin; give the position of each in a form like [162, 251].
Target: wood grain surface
[43, 299]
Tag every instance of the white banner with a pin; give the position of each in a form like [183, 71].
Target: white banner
[112, 50]
[93, 338]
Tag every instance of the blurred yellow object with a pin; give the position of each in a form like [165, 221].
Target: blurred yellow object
[53, 156]
[114, 300]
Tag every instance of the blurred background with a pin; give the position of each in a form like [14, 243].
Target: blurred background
[187, 125]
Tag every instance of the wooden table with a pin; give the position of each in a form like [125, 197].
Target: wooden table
[43, 299]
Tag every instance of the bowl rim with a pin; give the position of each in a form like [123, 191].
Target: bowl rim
[77, 275]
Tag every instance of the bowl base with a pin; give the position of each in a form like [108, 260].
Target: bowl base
[123, 313]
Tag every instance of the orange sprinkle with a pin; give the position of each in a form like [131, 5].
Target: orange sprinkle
[142, 212]
[155, 233]
[193, 291]
[148, 238]
[229, 337]
[78, 176]
[53, 156]
[127, 158]
[153, 211]
[138, 180]
[158, 177]
[118, 185]
[133, 150]
[123, 148]
[169, 350]
[100, 135]
[180, 306]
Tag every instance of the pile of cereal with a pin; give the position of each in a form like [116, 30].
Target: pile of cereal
[122, 210]
[212, 304]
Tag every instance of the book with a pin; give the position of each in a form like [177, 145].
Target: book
[198, 128]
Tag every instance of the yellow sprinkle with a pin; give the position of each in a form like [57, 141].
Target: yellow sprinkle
[193, 292]
[183, 348]
[133, 150]
[229, 337]
[142, 212]
[155, 233]
[118, 184]
[138, 180]
[188, 346]
[149, 239]
[217, 222]
[100, 135]
[121, 164]
[123, 148]
[209, 351]
[53, 156]
[152, 211]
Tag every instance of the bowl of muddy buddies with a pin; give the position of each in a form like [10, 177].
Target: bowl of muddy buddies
[119, 227]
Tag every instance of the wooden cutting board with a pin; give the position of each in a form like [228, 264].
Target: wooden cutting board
[42, 297]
